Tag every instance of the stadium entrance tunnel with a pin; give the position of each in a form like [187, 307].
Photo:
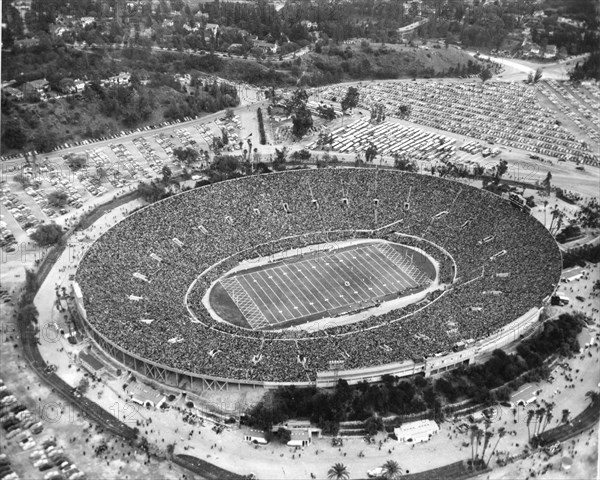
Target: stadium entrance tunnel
[327, 284]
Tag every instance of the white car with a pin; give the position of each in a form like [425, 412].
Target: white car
[28, 445]
[40, 462]
[22, 414]
[13, 434]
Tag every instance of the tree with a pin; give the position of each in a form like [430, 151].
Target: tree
[284, 435]
[151, 192]
[538, 75]
[530, 415]
[14, 136]
[58, 198]
[84, 385]
[404, 111]
[501, 433]
[370, 153]
[351, 99]
[166, 173]
[302, 121]
[485, 74]
[373, 425]
[280, 158]
[76, 162]
[47, 234]
[24, 180]
[28, 314]
[338, 472]
[229, 114]
[187, 156]
[226, 164]
[473, 436]
[404, 164]
[501, 169]
[392, 470]
[546, 182]
[488, 435]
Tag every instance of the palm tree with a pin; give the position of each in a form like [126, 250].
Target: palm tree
[338, 472]
[501, 433]
[539, 414]
[530, 414]
[549, 417]
[474, 429]
[554, 214]
[488, 435]
[392, 470]
[478, 436]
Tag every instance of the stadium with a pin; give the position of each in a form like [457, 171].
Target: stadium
[309, 276]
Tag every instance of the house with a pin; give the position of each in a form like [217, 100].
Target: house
[310, 26]
[27, 42]
[79, 85]
[417, 432]
[122, 78]
[85, 21]
[551, 51]
[13, 93]
[266, 47]
[211, 30]
[39, 86]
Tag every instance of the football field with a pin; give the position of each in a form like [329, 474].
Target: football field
[319, 285]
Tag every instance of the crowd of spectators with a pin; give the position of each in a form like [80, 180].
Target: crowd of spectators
[495, 263]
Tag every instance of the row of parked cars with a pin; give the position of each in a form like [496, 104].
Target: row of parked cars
[51, 456]
[21, 213]
[6, 471]
[16, 420]
[20, 424]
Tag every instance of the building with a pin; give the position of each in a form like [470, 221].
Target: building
[211, 30]
[300, 439]
[255, 436]
[266, 47]
[551, 51]
[27, 42]
[122, 78]
[90, 363]
[144, 395]
[572, 274]
[13, 93]
[85, 21]
[416, 432]
[39, 86]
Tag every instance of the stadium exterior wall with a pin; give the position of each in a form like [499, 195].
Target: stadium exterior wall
[168, 376]
[188, 381]
[437, 364]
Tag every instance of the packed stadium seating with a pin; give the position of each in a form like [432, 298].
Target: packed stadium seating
[219, 225]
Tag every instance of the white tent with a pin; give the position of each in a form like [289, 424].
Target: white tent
[415, 432]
